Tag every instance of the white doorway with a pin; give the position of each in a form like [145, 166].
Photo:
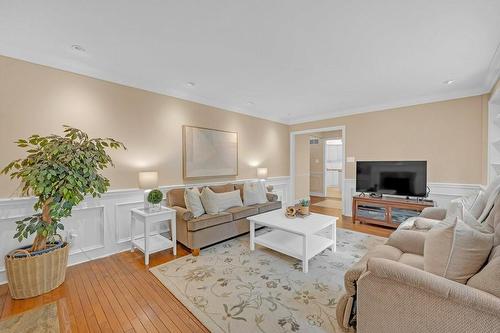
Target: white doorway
[333, 170]
[297, 163]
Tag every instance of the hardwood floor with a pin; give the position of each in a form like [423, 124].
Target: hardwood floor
[119, 294]
[113, 294]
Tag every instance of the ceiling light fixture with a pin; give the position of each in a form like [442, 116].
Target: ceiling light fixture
[78, 48]
[449, 82]
[250, 103]
[190, 84]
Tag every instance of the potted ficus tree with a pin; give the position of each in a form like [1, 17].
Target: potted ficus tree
[59, 171]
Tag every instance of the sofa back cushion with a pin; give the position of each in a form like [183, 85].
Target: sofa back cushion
[456, 251]
[176, 197]
[239, 187]
[193, 201]
[488, 279]
[215, 203]
[222, 188]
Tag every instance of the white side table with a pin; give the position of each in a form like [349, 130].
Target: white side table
[152, 243]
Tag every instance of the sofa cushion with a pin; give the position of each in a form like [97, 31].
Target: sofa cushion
[242, 212]
[222, 188]
[176, 197]
[456, 251]
[193, 201]
[268, 206]
[206, 221]
[488, 279]
[413, 260]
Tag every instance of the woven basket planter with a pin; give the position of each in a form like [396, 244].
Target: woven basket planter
[32, 276]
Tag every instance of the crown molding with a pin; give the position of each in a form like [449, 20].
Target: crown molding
[387, 106]
[493, 74]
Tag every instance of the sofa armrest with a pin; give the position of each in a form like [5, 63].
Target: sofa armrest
[183, 213]
[434, 213]
[393, 297]
[271, 197]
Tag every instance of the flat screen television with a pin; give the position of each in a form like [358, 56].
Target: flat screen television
[406, 178]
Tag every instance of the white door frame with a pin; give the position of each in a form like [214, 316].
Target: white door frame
[292, 158]
[342, 176]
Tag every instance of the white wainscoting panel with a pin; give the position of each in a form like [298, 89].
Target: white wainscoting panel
[441, 193]
[102, 225]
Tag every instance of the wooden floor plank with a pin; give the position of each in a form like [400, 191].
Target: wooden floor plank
[101, 317]
[111, 299]
[74, 300]
[102, 271]
[160, 302]
[144, 313]
[153, 311]
[119, 294]
[85, 302]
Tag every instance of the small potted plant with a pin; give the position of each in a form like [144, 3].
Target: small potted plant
[59, 171]
[154, 198]
[304, 206]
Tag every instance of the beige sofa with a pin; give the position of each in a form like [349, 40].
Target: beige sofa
[196, 233]
[389, 291]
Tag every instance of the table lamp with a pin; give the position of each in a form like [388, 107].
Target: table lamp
[262, 173]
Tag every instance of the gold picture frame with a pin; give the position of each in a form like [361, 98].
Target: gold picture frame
[208, 152]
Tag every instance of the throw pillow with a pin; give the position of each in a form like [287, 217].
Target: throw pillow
[209, 201]
[490, 193]
[456, 251]
[228, 199]
[193, 201]
[254, 193]
[215, 203]
[474, 203]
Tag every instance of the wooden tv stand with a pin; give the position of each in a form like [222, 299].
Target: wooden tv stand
[385, 211]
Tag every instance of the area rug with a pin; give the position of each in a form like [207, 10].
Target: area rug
[41, 319]
[231, 289]
[329, 203]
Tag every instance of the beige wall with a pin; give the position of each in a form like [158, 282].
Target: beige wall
[38, 99]
[302, 166]
[449, 135]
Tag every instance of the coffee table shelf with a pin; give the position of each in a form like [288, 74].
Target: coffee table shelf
[292, 244]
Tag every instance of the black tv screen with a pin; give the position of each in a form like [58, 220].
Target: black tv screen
[408, 178]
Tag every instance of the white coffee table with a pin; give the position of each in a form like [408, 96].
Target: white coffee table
[294, 237]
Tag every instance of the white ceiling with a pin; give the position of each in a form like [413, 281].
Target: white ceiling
[295, 60]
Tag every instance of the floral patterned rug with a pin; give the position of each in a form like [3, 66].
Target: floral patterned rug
[231, 289]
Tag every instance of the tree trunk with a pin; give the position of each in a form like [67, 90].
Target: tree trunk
[40, 242]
